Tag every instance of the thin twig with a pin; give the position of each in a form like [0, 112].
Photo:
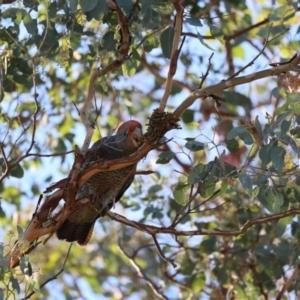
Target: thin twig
[171, 261]
[289, 282]
[207, 71]
[53, 277]
[143, 275]
[155, 72]
[254, 59]
[50, 155]
[6, 164]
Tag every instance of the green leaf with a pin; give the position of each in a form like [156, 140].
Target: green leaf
[265, 153]
[224, 186]
[243, 133]
[16, 14]
[197, 282]
[207, 188]
[232, 145]
[165, 157]
[203, 42]
[3, 262]
[25, 266]
[15, 284]
[125, 4]
[295, 131]
[216, 32]
[99, 11]
[258, 127]
[166, 40]
[274, 200]
[198, 173]
[108, 41]
[278, 13]
[31, 3]
[230, 171]
[193, 21]
[146, 4]
[30, 24]
[157, 214]
[277, 157]
[180, 193]
[129, 67]
[246, 183]
[154, 189]
[247, 138]
[17, 171]
[151, 18]
[188, 116]
[73, 5]
[148, 210]
[254, 208]
[238, 99]
[285, 126]
[236, 131]
[20, 232]
[282, 116]
[194, 146]
[262, 196]
[88, 5]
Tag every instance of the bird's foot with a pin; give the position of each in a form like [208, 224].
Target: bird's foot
[105, 207]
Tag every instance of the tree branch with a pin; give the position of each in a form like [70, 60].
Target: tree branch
[153, 230]
[223, 85]
[143, 275]
[289, 282]
[53, 277]
[174, 54]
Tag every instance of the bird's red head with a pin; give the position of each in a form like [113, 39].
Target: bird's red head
[130, 126]
[132, 129]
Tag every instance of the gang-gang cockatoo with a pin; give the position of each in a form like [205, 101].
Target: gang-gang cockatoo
[103, 188]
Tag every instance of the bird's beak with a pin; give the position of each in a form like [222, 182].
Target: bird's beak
[138, 137]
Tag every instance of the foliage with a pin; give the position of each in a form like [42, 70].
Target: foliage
[223, 196]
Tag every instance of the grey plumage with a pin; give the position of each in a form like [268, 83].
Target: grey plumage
[104, 188]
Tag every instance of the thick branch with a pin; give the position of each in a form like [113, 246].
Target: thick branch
[174, 53]
[45, 222]
[153, 230]
[223, 85]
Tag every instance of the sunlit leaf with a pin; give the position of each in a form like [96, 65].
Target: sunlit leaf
[180, 193]
[232, 145]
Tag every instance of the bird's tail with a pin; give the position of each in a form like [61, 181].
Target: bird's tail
[78, 227]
